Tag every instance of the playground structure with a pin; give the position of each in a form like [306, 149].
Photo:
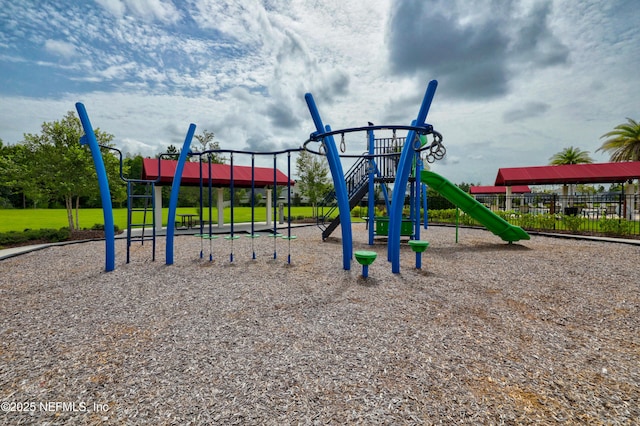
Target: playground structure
[399, 162]
[151, 196]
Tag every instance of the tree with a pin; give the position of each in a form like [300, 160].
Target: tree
[313, 178]
[208, 144]
[466, 187]
[63, 168]
[172, 152]
[15, 171]
[7, 173]
[570, 155]
[623, 142]
[586, 189]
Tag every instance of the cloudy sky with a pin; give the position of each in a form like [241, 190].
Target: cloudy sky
[519, 80]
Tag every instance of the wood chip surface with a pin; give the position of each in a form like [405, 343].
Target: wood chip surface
[544, 331]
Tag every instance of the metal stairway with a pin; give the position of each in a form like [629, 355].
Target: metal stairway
[140, 203]
[356, 179]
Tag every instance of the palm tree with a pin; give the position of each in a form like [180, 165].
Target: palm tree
[570, 155]
[623, 142]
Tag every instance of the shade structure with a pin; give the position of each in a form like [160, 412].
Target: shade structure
[518, 189]
[220, 174]
[569, 174]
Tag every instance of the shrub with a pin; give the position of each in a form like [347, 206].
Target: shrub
[615, 226]
[445, 215]
[48, 235]
[100, 227]
[465, 219]
[546, 221]
[528, 221]
[572, 222]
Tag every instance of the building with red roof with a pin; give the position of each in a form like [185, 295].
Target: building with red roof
[193, 172]
[196, 173]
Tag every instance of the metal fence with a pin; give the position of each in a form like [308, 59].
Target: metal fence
[608, 214]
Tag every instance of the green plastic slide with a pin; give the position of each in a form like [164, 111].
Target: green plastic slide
[473, 208]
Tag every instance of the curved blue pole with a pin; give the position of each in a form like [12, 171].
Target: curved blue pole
[333, 157]
[402, 177]
[89, 138]
[175, 190]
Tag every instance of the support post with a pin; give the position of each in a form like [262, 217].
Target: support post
[425, 206]
[269, 207]
[416, 201]
[631, 205]
[220, 204]
[89, 138]
[507, 201]
[175, 190]
[371, 201]
[339, 184]
[158, 209]
[402, 177]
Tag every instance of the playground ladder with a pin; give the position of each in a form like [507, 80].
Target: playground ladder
[139, 205]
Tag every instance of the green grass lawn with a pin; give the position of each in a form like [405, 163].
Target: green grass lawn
[21, 219]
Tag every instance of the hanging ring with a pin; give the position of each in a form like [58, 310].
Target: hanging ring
[416, 143]
[343, 145]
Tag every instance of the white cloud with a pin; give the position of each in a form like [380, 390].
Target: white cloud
[147, 10]
[61, 48]
[240, 69]
[115, 7]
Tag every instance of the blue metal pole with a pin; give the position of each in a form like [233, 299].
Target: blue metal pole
[210, 212]
[89, 138]
[416, 215]
[231, 190]
[175, 190]
[289, 207]
[424, 206]
[275, 205]
[402, 177]
[253, 206]
[371, 205]
[337, 174]
[130, 218]
[201, 205]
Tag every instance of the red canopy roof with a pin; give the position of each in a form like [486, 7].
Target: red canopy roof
[220, 174]
[519, 189]
[572, 173]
